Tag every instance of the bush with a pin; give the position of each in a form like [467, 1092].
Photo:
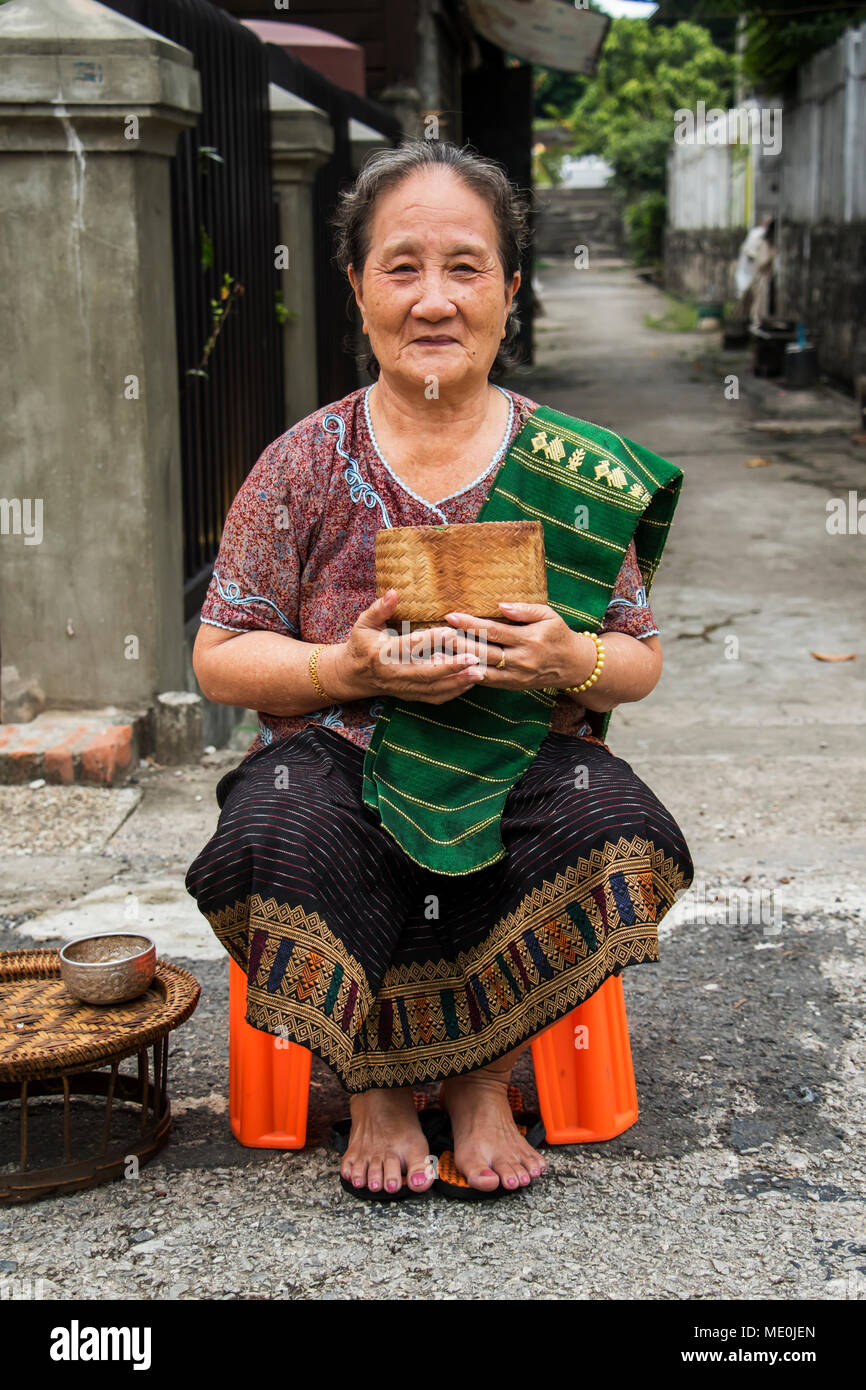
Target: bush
[645, 220]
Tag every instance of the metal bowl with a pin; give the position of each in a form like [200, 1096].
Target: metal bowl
[108, 969]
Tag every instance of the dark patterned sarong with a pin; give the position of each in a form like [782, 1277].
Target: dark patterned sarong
[394, 974]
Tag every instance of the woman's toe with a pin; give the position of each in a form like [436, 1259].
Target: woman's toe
[479, 1174]
[393, 1172]
[534, 1163]
[421, 1173]
[374, 1175]
[508, 1176]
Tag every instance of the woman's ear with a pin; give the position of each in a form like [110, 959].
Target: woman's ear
[355, 282]
[510, 292]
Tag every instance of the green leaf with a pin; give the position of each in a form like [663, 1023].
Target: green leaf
[207, 154]
[206, 248]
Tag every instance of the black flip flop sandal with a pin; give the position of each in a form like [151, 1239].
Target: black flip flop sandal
[431, 1124]
[453, 1184]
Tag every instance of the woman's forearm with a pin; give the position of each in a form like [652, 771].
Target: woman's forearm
[268, 671]
[631, 670]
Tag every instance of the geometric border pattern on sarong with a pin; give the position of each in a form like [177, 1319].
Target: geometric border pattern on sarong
[438, 1018]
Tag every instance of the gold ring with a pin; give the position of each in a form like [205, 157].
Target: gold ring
[500, 665]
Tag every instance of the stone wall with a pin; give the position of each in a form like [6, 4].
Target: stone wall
[699, 264]
[570, 217]
[822, 280]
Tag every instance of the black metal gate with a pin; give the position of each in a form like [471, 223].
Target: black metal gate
[225, 224]
[337, 372]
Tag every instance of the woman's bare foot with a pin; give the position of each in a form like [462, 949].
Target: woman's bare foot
[386, 1141]
[488, 1147]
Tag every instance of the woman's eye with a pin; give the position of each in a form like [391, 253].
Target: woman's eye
[469, 268]
[399, 269]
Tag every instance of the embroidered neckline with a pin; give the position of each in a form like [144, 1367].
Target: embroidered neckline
[437, 506]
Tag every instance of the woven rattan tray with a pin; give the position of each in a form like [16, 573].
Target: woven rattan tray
[469, 568]
[44, 1031]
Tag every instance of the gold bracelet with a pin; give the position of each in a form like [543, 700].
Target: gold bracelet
[596, 671]
[312, 667]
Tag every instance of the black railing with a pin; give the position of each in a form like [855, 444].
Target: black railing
[223, 214]
[336, 369]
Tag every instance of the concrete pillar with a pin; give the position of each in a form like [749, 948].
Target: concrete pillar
[364, 140]
[301, 142]
[404, 102]
[91, 579]
[176, 726]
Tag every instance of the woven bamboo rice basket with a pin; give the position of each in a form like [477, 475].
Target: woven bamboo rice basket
[472, 568]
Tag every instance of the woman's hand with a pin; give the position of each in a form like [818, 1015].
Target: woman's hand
[432, 666]
[540, 649]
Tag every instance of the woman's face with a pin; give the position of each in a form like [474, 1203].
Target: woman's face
[432, 294]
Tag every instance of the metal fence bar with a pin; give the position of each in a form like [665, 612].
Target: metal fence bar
[229, 416]
[336, 369]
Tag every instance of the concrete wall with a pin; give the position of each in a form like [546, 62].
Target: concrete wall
[816, 188]
[822, 280]
[570, 217]
[93, 611]
[700, 264]
[824, 145]
[113, 470]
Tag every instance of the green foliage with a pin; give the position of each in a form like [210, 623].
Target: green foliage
[645, 74]
[283, 312]
[230, 291]
[645, 220]
[780, 35]
[680, 316]
[205, 247]
[712, 15]
[207, 155]
[777, 43]
[546, 161]
[555, 93]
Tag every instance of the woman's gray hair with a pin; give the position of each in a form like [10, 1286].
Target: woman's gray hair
[386, 169]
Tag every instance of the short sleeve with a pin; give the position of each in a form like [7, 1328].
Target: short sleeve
[628, 610]
[256, 574]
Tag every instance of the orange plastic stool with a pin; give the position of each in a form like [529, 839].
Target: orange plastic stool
[269, 1079]
[583, 1072]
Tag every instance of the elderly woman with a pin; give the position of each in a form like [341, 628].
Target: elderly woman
[429, 855]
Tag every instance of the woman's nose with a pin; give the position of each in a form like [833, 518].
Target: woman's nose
[433, 301]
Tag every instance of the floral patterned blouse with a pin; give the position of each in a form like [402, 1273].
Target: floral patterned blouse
[297, 551]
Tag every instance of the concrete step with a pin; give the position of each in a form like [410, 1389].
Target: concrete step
[99, 746]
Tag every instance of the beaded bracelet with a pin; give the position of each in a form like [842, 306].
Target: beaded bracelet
[596, 671]
[312, 667]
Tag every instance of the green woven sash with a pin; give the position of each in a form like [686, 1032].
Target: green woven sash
[438, 775]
